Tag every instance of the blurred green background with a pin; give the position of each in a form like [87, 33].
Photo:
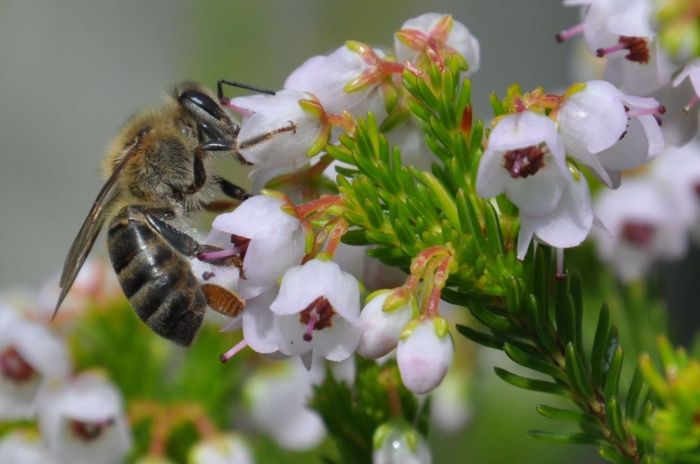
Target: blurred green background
[73, 71]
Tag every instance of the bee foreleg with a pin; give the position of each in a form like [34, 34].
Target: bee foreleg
[200, 172]
[231, 190]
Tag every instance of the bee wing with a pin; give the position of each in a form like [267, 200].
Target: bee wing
[87, 234]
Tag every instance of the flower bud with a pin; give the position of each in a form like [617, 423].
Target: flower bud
[382, 327]
[399, 443]
[424, 354]
[223, 449]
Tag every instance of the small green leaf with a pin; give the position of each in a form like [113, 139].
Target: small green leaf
[551, 412]
[480, 337]
[598, 355]
[355, 237]
[633, 393]
[612, 380]
[492, 320]
[532, 362]
[575, 438]
[612, 455]
[532, 384]
[613, 413]
[575, 371]
[443, 197]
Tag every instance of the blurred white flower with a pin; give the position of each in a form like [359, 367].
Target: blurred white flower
[267, 239]
[277, 398]
[450, 404]
[424, 354]
[83, 421]
[30, 355]
[433, 34]
[318, 307]
[678, 173]
[381, 329]
[644, 226]
[399, 443]
[221, 449]
[24, 448]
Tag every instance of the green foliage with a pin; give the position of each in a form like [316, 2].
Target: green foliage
[353, 413]
[525, 308]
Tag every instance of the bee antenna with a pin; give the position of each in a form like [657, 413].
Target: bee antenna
[220, 88]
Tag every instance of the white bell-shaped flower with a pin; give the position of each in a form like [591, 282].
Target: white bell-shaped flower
[278, 132]
[566, 226]
[525, 159]
[269, 241]
[331, 78]
[419, 34]
[221, 449]
[424, 354]
[318, 307]
[83, 421]
[643, 226]
[382, 328]
[609, 131]
[399, 443]
[30, 355]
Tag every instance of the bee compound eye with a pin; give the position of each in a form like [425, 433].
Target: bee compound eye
[196, 102]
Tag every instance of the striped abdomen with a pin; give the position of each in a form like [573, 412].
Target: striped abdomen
[155, 277]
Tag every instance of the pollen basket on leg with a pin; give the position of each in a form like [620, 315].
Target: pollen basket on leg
[525, 162]
[318, 315]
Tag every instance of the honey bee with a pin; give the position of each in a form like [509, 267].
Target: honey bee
[157, 172]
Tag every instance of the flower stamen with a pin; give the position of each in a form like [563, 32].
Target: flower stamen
[566, 34]
[637, 49]
[14, 367]
[318, 315]
[89, 431]
[524, 162]
[639, 234]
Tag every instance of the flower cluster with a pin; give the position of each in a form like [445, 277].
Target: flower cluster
[300, 299]
[80, 416]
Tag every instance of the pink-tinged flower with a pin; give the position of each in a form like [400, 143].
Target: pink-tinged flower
[525, 159]
[609, 131]
[83, 421]
[399, 443]
[259, 329]
[424, 354]
[690, 72]
[279, 130]
[382, 328]
[644, 227]
[276, 397]
[678, 173]
[318, 309]
[267, 240]
[349, 79]
[434, 34]
[30, 356]
[614, 26]
[566, 226]
[221, 449]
